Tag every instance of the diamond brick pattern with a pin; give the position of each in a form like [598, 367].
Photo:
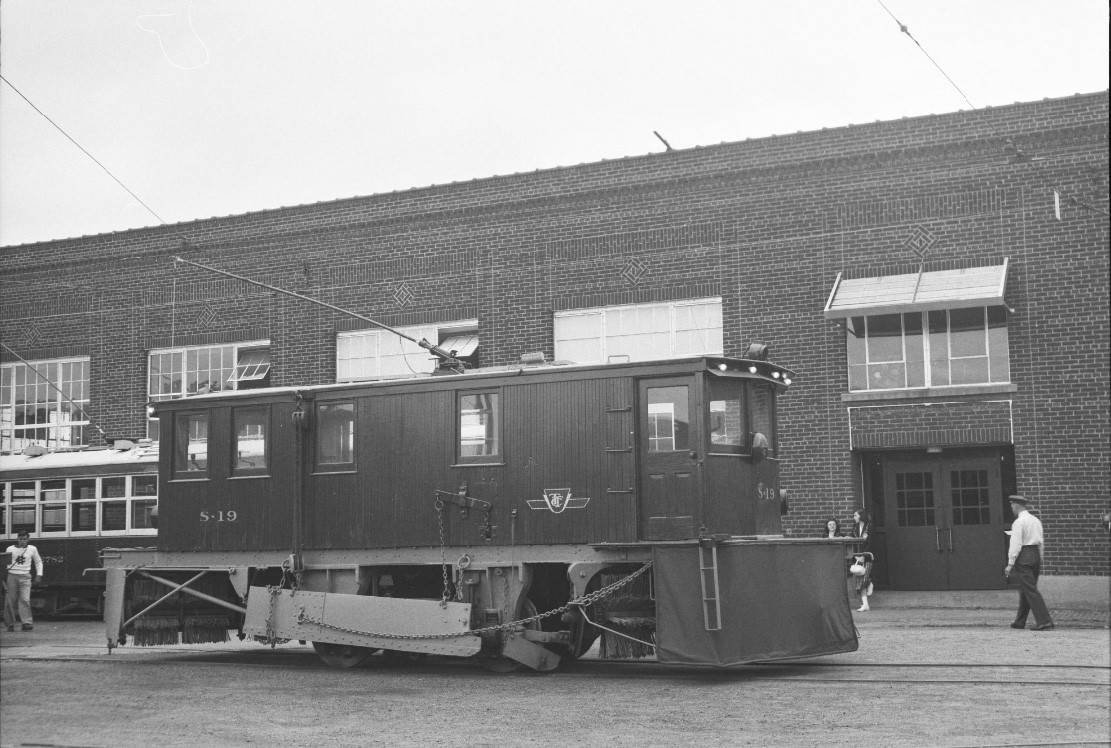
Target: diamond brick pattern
[403, 295]
[920, 241]
[207, 317]
[32, 335]
[634, 271]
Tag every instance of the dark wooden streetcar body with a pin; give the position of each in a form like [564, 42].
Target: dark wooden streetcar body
[510, 515]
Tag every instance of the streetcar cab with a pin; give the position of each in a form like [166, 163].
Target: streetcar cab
[708, 451]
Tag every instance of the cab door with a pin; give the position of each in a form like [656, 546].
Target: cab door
[669, 427]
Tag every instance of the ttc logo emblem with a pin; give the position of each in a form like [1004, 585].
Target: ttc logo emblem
[558, 499]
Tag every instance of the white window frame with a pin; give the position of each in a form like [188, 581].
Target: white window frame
[928, 345]
[177, 389]
[60, 419]
[39, 504]
[609, 345]
[387, 355]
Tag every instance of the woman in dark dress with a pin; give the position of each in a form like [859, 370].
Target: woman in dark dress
[832, 529]
[862, 555]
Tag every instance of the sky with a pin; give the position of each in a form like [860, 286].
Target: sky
[214, 108]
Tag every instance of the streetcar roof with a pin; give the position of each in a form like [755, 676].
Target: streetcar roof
[78, 458]
[738, 367]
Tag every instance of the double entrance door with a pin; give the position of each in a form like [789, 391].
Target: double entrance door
[944, 523]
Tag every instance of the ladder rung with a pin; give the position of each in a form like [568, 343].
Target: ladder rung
[711, 614]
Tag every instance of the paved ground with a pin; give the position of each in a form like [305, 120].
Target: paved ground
[922, 677]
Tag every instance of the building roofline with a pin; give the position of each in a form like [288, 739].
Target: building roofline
[824, 132]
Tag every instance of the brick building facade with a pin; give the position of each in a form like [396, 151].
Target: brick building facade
[774, 228]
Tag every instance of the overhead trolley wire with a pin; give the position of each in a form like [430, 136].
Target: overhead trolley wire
[1019, 155]
[102, 166]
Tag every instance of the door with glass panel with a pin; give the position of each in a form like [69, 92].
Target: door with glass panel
[913, 503]
[944, 524]
[670, 451]
[976, 543]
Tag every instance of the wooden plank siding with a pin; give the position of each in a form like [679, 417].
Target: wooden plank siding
[263, 505]
[558, 441]
[574, 430]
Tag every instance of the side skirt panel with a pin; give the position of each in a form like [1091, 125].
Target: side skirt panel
[359, 620]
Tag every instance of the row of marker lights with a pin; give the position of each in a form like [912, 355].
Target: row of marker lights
[753, 370]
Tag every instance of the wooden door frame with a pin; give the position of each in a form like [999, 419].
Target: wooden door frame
[873, 464]
[696, 442]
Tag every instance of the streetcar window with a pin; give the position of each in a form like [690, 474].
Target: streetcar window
[54, 518]
[726, 416]
[53, 490]
[23, 519]
[761, 400]
[478, 427]
[24, 491]
[83, 516]
[250, 442]
[143, 514]
[113, 488]
[190, 445]
[84, 489]
[668, 419]
[335, 436]
[113, 516]
[144, 485]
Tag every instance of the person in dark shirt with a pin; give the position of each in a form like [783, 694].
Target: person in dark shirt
[862, 556]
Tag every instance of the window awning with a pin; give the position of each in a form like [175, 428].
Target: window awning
[253, 365]
[463, 345]
[917, 292]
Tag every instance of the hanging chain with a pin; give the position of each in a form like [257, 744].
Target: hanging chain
[487, 531]
[578, 602]
[271, 638]
[443, 552]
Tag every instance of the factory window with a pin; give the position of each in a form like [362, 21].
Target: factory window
[639, 332]
[933, 328]
[928, 349]
[479, 428]
[375, 354]
[43, 403]
[335, 436]
[174, 373]
[250, 440]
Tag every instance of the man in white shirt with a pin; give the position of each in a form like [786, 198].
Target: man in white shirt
[1024, 560]
[18, 581]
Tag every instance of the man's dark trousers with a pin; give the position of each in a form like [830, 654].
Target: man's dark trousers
[1027, 567]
